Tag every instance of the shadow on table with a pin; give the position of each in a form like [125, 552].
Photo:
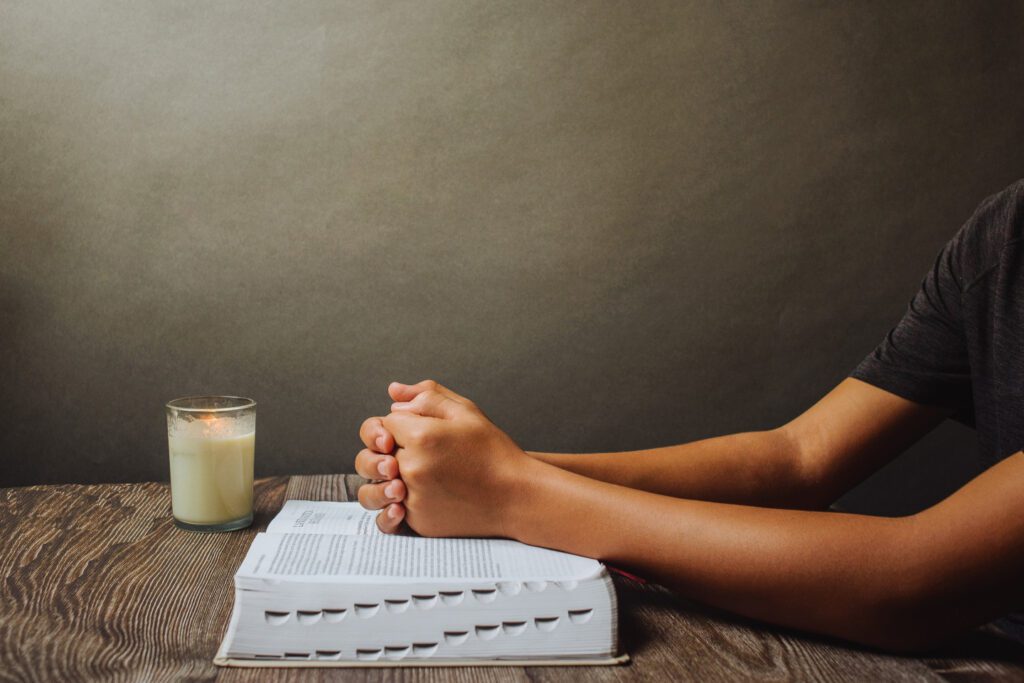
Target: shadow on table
[269, 497]
[987, 643]
[647, 609]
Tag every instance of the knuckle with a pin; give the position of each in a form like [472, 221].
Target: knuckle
[426, 440]
[413, 471]
[425, 477]
[425, 397]
[430, 385]
[409, 469]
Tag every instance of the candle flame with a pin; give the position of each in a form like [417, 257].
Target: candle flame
[215, 426]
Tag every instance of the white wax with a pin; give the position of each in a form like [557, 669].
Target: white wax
[211, 471]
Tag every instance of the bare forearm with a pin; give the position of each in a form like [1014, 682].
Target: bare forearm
[807, 463]
[855, 577]
[753, 468]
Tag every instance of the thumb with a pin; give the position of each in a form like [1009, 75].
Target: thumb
[428, 403]
[407, 392]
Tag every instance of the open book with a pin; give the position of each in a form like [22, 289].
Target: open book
[323, 587]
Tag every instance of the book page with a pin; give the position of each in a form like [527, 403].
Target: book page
[323, 517]
[328, 557]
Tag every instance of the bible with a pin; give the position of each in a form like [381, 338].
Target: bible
[324, 587]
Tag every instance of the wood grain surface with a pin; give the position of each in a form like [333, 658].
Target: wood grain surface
[98, 584]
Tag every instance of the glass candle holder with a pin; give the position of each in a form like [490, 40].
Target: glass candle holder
[211, 440]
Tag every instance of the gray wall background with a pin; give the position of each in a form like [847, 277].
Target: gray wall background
[614, 225]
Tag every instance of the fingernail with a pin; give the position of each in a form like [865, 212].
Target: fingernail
[382, 467]
[389, 490]
[380, 443]
[393, 512]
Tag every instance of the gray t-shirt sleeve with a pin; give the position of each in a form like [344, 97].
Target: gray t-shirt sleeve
[924, 358]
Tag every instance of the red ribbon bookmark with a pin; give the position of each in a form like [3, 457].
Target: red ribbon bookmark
[622, 572]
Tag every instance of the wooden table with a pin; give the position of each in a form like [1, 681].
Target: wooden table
[99, 584]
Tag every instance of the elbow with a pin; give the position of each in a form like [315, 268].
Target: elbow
[819, 475]
[810, 487]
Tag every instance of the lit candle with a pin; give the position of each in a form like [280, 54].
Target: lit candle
[211, 440]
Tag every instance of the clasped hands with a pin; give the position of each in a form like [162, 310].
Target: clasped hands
[440, 465]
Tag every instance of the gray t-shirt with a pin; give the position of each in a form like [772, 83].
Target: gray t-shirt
[961, 342]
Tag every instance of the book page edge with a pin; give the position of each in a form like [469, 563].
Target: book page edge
[287, 664]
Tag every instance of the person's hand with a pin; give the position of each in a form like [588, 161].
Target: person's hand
[376, 463]
[460, 471]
